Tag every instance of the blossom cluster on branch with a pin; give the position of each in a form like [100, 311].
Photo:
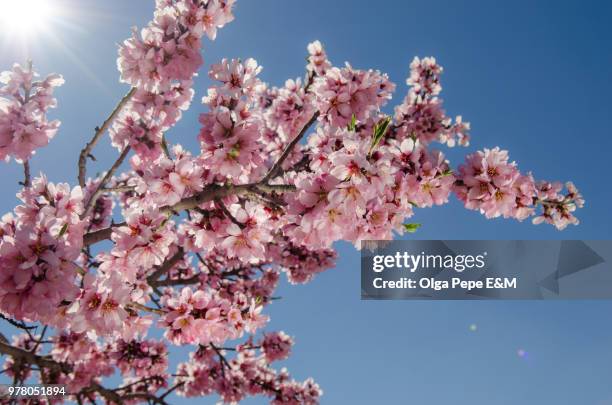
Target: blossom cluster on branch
[197, 241]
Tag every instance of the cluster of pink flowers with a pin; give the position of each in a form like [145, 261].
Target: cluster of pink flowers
[318, 64]
[290, 108]
[140, 358]
[202, 317]
[282, 173]
[145, 240]
[166, 181]
[241, 232]
[160, 63]
[148, 116]
[230, 137]
[208, 371]
[557, 207]
[24, 103]
[357, 192]
[488, 182]
[87, 361]
[424, 177]
[276, 346]
[346, 92]
[300, 263]
[169, 48]
[38, 247]
[100, 308]
[421, 116]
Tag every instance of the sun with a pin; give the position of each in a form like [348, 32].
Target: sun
[24, 18]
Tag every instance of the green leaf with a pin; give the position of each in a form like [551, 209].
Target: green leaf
[63, 230]
[353, 124]
[411, 228]
[380, 130]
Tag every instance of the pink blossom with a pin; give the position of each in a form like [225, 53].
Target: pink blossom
[345, 92]
[276, 346]
[317, 61]
[23, 106]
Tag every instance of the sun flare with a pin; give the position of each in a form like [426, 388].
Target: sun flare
[24, 18]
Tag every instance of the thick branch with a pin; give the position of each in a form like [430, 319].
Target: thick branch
[109, 395]
[31, 358]
[99, 132]
[278, 165]
[209, 193]
[45, 362]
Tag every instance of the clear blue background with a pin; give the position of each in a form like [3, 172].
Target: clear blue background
[531, 76]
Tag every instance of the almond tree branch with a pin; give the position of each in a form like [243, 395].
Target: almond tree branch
[18, 324]
[278, 165]
[209, 193]
[31, 358]
[118, 189]
[27, 179]
[46, 362]
[85, 153]
[228, 214]
[166, 266]
[109, 395]
[176, 281]
[100, 189]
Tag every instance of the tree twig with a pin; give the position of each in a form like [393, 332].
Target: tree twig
[228, 214]
[166, 266]
[99, 132]
[100, 189]
[278, 165]
[18, 324]
[27, 179]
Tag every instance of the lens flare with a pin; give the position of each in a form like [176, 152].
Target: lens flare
[25, 18]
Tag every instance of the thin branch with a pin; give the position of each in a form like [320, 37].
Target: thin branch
[118, 189]
[166, 266]
[85, 153]
[141, 381]
[278, 165]
[164, 146]
[147, 309]
[40, 339]
[177, 385]
[109, 174]
[18, 324]
[224, 362]
[27, 179]
[228, 214]
[169, 282]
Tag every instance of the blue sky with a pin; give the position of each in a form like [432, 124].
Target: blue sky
[533, 77]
